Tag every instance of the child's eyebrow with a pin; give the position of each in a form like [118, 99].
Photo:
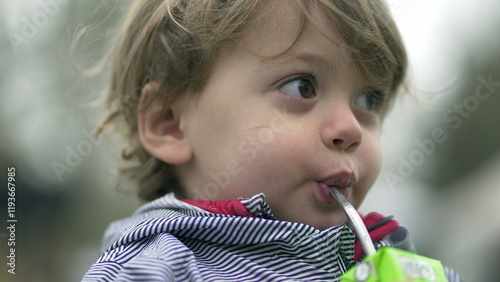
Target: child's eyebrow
[304, 57]
[334, 61]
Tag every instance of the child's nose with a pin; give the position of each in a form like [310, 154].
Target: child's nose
[342, 130]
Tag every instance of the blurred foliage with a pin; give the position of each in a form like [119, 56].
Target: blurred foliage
[46, 108]
[473, 131]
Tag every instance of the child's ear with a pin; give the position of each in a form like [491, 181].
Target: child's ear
[162, 134]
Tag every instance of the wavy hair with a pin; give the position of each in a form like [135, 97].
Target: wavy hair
[175, 43]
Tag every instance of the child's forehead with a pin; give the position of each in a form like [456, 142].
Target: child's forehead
[361, 31]
[279, 25]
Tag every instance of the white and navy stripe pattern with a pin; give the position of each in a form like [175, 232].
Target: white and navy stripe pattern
[169, 240]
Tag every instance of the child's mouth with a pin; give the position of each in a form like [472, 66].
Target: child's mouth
[341, 181]
[327, 197]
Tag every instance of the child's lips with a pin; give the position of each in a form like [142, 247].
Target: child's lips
[342, 181]
[327, 197]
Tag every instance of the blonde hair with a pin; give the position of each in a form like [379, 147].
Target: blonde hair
[175, 42]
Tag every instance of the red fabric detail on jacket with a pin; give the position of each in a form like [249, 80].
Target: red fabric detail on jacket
[233, 207]
[376, 234]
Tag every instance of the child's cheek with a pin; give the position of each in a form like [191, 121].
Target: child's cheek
[368, 160]
[372, 153]
[276, 153]
[259, 144]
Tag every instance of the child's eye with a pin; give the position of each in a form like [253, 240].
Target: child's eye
[371, 100]
[301, 86]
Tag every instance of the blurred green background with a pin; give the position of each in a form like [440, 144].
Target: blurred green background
[441, 172]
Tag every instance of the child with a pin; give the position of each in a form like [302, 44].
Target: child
[240, 115]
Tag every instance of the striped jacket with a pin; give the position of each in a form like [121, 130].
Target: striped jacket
[171, 240]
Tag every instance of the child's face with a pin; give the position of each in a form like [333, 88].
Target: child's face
[286, 126]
